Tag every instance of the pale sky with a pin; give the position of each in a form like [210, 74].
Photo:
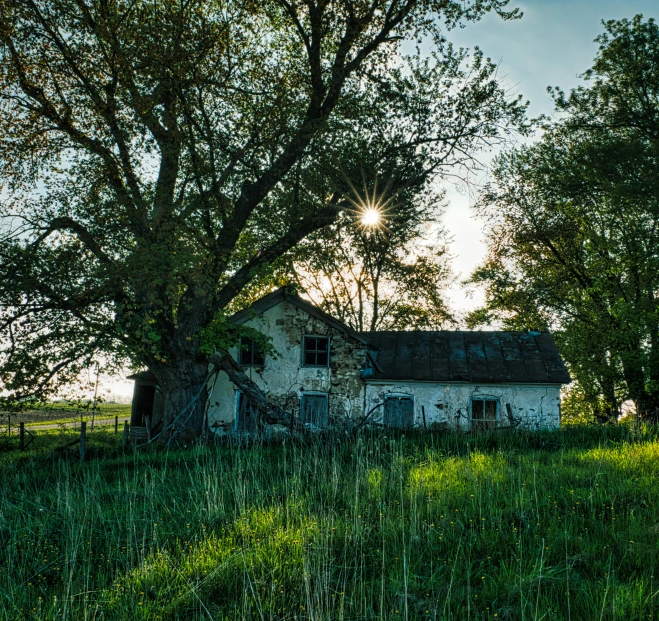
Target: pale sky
[550, 46]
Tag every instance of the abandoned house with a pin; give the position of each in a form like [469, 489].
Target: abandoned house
[327, 374]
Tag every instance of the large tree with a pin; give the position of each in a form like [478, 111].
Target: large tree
[574, 241]
[157, 156]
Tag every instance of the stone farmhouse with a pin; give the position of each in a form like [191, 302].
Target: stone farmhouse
[327, 375]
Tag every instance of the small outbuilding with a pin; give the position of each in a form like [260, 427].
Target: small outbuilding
[147, 406]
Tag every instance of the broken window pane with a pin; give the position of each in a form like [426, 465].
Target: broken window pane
[484, 413]
[245, 414]
[316, 351]
[251, 354]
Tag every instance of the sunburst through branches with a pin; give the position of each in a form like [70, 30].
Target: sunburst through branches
[370, 209]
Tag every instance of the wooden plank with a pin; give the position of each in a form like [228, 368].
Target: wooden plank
[496, 364]
[403, 359]
[420, 356]
[517, 371]
[439, 350]
[83, 440]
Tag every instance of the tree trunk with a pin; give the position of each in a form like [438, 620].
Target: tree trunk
[185, 391]
[652, 415]
[266, 410]
[185, 394]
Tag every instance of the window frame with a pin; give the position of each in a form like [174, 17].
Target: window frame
[395, 395]
[315, 351]
[485, 423]
[253, 350]
[314, 393]
[236, 421]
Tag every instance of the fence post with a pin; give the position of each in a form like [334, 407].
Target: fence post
[21, 436]
[423, 412]
[126, 433]
[83, 438]
[8, 424]
[116, 424]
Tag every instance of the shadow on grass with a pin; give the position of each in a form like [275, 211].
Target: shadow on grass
[549, 525]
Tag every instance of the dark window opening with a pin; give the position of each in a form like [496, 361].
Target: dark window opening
[314, 409]
[399, 412]
[484, 413]
[316, 351]
[245, 414]
[251, 354]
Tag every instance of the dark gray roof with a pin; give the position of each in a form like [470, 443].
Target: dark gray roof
[488, 357]
[145, 377]
[286, 294]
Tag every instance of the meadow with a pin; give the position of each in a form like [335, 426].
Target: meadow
[561, 525]
[63, 412]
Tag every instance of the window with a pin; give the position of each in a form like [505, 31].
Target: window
[251, 355]
[399, 411]
[484, 413]
[314, 409]
[315, 351]
[245, 414]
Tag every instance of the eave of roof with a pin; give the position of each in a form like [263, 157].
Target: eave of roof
[143, 376]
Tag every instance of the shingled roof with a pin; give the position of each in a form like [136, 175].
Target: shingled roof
[487, 357]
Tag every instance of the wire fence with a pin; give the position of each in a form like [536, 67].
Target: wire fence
[19, 435]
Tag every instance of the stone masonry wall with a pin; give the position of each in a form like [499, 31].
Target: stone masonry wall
[284, 379]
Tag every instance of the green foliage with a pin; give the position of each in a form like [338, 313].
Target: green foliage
[543, 525]
[157, 158]
[574, 243]
[221, 334]
[387, 279]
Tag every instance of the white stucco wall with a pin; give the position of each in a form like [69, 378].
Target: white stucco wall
[532, 406]
[284, 379]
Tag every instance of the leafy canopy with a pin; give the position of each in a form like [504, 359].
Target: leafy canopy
[158, 157]
[574, 241]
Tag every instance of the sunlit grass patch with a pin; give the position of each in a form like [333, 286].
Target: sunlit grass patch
[417, 527]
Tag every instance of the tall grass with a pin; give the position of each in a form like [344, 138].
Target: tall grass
[560, 525]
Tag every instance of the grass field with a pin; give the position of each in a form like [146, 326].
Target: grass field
[560, 525]
[60, 412]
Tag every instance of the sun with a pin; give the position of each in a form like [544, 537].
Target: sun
[371, 217]
[370, 209]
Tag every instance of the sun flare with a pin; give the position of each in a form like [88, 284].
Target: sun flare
[371, 217]
[371, 208]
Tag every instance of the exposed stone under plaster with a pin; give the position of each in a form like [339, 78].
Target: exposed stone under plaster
[283, 379]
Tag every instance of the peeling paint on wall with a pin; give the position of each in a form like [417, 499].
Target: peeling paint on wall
[283, 378]
[521, 400]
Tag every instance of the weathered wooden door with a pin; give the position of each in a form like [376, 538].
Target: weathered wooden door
[246, 420]
[314, 410]
[484, 413]
[399, 412]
